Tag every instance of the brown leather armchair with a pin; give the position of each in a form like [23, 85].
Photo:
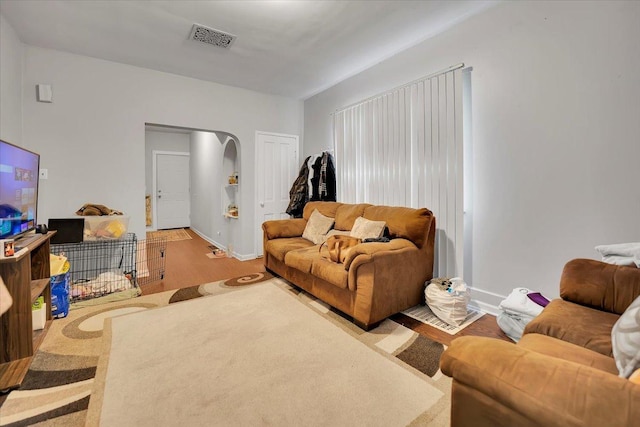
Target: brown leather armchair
[562, 372]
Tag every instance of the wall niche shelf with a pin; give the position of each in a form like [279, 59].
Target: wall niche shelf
[231, 177]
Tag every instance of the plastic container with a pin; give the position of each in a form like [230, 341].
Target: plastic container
[106, 227]
[60, 295]
[39, 313]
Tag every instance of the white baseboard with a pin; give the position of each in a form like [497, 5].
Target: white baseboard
[485, 301]
[236, 255]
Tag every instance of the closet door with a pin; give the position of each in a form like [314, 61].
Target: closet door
[276, 169]
[173, 203]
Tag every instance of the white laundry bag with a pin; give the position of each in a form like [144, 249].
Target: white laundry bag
[450, 305]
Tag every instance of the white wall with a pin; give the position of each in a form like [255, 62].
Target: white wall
[91, 137]
[10, 84]
[206, 180]
[556, 148]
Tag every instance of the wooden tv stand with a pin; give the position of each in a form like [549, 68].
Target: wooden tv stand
[27, 276]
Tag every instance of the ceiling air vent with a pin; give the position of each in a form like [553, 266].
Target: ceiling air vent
[210, 36]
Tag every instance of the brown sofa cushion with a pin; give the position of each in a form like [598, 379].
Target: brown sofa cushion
[301, 259]
[567, 351]
[278, 248]
[325, 208]
[402, 222]
[574, 323]
[346, 215]
[331, 272]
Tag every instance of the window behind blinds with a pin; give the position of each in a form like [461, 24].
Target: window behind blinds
[404, 148]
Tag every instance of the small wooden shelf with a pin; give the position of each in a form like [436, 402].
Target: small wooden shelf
[37, 287]
[228, 215]
[12, 373]
[27, 278]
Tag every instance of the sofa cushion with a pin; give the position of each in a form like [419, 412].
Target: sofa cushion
[565, 350]
[325, 208]
[317, 227]
[278, 248]
[407, 223]
[625, 340]
[331, 272]
[364, 228]
[577, 324]
[301, 259]
[346, 215]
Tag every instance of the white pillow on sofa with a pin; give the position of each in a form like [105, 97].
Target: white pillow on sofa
[317, 227]
[366, 229]
[625, 340]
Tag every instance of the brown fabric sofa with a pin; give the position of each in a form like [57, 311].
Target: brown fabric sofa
[377, 279]
[562, 372]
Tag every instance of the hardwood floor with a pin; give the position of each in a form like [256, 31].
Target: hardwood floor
[187, 264]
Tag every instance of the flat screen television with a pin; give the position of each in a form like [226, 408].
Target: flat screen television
[19, 176]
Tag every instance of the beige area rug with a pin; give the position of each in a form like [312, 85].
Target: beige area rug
[252, 357]
[172, 235]
[60, 383]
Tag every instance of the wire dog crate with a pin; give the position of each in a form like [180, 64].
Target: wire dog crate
[103, 267]
[151, 259]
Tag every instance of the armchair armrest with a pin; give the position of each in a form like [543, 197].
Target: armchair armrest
[600, 285]
[501, 384]
[284, 228]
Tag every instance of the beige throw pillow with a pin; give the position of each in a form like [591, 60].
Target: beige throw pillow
[366, 229]
[317, 227]
[625, 340]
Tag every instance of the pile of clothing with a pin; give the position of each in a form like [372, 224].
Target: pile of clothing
[316, 181]
[620, 254]
[518, 309]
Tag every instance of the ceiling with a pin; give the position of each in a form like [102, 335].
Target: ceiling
[289, 48]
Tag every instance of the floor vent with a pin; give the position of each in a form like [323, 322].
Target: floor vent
[210, 36]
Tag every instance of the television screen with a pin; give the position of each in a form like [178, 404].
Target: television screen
[19, 169]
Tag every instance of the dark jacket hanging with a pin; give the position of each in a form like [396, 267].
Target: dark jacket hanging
[324, 179]
[299, 193]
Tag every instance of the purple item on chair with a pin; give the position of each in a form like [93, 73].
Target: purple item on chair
[538, 298]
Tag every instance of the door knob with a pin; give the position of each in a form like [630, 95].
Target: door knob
[262, 204]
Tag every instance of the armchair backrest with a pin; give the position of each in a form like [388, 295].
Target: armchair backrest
[599, 285]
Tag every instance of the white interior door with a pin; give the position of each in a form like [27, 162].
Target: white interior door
[276, 169]
[173, 203]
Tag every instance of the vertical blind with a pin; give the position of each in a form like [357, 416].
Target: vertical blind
[404, 148]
